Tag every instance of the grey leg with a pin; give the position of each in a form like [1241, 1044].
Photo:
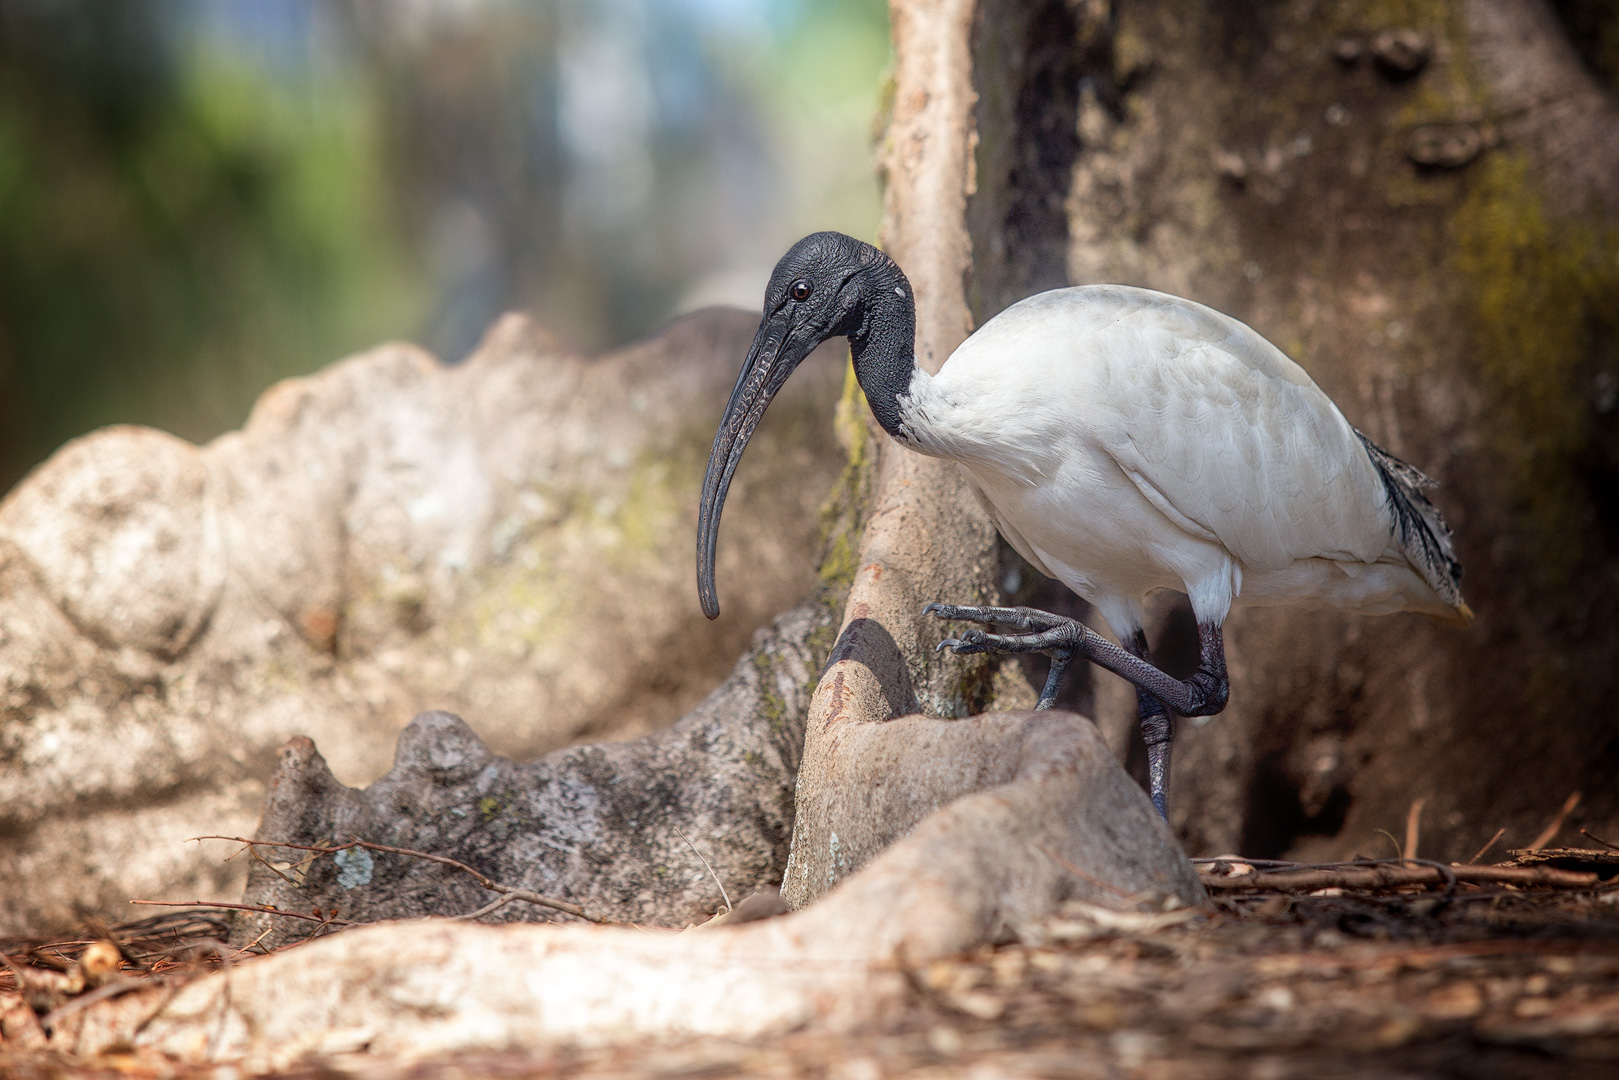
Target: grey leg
[1157, 731]
[1204, 694]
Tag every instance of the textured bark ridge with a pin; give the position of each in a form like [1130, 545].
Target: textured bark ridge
[600, 825]
[1434, 236]
[927, 537]
[510, 538]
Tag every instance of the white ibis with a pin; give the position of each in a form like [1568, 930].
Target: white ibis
[1124, 441]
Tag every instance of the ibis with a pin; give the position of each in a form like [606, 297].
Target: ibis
[1123, 441]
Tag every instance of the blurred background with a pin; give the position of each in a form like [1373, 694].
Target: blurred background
[200, 197]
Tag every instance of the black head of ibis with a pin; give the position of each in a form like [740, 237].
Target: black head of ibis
[827, 285]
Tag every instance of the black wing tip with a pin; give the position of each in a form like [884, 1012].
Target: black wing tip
[1418, 524]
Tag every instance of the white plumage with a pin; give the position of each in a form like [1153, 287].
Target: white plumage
[1126, 441]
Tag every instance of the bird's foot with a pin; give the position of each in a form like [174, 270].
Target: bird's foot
[1042, 631]
[1054, 635]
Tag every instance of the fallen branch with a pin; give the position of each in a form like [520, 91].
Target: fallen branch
[1393, 877]
[507, 893]
[1230, 868]
[1601, 862]
[333, 921]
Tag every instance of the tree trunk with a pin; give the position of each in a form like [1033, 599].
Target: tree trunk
[1418, 203]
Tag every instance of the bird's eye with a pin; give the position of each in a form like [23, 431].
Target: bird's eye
[801, 289]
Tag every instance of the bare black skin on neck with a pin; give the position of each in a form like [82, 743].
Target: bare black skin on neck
[828, 285]
[884, 348]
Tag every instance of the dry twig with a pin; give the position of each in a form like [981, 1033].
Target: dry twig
[1385, 876]
[323, 919]
[1589, 835]
[507, 894]
[723, 894]
[1498, 834]
[1413, 827]
[1550, 832]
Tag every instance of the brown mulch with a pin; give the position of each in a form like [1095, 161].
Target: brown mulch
[1455, 980]
[158, 946]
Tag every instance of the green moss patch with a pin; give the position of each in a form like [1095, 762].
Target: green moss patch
[1540, 291]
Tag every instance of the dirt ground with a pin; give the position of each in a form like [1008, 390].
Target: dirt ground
[1473, 981]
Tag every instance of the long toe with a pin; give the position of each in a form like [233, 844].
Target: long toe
[960, 613]
[972, 613]
[1019, 618]
[1015, 643]
[1044, 632]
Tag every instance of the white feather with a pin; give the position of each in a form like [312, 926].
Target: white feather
[1127, 441]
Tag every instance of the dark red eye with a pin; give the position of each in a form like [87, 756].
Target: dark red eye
[801, 289]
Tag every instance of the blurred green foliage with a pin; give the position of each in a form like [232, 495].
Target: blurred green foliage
[176, 230]
[200, 197]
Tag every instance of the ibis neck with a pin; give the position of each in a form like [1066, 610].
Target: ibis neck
[884, 349]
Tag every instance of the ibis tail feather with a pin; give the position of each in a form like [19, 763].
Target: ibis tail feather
[1418, 526]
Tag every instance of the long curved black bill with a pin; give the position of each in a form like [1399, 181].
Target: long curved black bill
[770, 360]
